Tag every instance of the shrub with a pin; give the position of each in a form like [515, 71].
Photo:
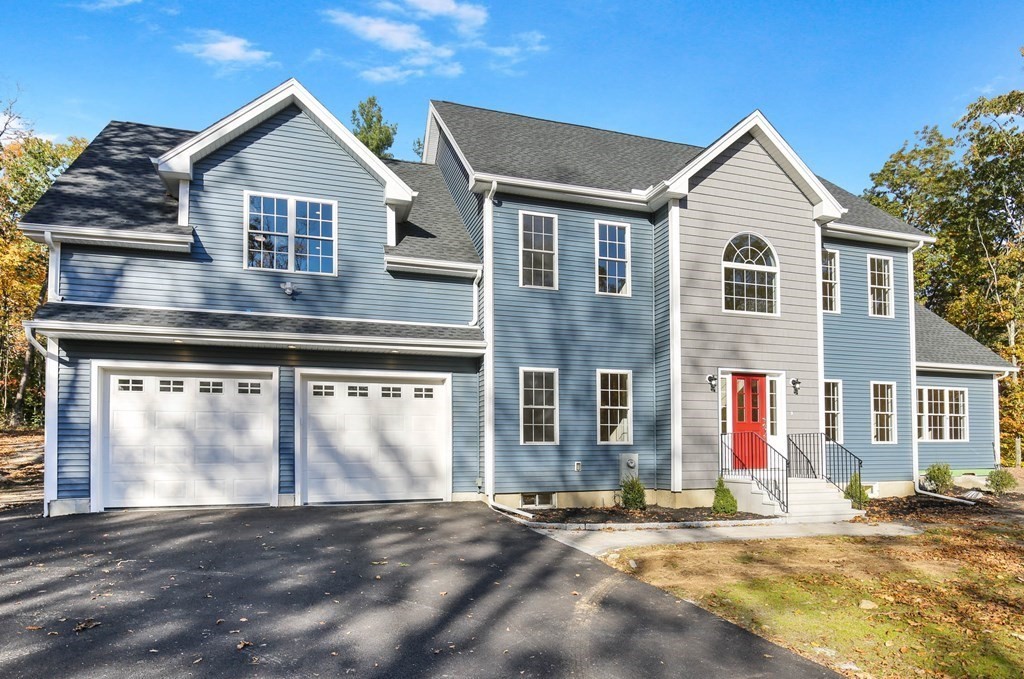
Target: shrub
[855, 492]
[633, 495]
[939, 478]
[725, 501]
[1000, 481]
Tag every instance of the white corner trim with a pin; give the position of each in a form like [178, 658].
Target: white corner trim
[433, 267]
[488, 321]
[53, 269]
[392, 236]
[997, 442]
[50, 415]
[118, 238]
[676, 340]
[183, 198]
[820, 325]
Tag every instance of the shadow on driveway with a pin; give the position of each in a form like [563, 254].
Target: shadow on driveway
[388, 591]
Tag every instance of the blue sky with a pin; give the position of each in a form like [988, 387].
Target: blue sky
[845, 83]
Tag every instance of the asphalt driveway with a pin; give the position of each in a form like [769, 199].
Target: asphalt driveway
[388, 591]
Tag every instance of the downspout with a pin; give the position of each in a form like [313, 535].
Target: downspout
[53, 272]
[476, 300]
[915, 458]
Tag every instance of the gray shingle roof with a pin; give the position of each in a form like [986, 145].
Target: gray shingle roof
[434, 228]
[941, 342]
[113, 184]
[202, 320]
[533, 148]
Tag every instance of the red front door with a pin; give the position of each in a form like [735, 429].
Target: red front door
[749, 421]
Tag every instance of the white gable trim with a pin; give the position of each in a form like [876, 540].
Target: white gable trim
[176, 165]
[826, 207]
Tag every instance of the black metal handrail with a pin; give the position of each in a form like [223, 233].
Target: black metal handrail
[804, 455]
[739, 457]
[840, 466]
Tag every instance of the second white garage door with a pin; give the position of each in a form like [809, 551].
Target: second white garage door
[369, 440]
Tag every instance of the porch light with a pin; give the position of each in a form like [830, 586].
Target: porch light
[795, 382]
[712, 382]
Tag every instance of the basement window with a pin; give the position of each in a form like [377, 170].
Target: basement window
[537, 500]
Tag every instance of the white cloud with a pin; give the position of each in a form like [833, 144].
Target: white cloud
[228, 51]
[391, 35]
[508, 56]
[468, 18]
[100, 5]
[385, 74]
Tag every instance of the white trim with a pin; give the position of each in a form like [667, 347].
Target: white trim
[554, 252]
[50, 422]
[841, 419]
[260, 314]
[99, 373]
[488, 321]
[866, 233]
[837, 286]
[303, 375]
[292, 233]
[922, 416]
[825, 207]
[443, 128]
[183, 201]
[177, 163]
[915, 459]
[628, 200]
[433, 267]
[777, 441]
[895, 412]
[892, 286]
[777, 270]
[819, 327]
[118, 238]
[628, 292]
[53, 270]
[997, 443]
[963, 368]
[629, 400]
[522, 406]
[392, 226]
[676, 341]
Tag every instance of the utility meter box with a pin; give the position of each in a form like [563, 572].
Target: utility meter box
[629, 465]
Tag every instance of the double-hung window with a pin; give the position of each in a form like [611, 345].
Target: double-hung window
[883, 412]
[538, 405]
[834, 410]
[612, 241]
[285, 233]
[880, 287]
[538, 250]
[750, 276]
[941, 414]
[614, 407]
[830, 281]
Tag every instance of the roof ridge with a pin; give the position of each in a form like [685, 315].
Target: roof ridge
[560, 122]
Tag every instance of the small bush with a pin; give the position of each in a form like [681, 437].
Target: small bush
[725, 501]
[939, 478]
[633, 495]
[855, 492]
[1000, 481]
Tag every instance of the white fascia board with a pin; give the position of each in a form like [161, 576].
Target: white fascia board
[129, 333]
[480, 182]
[144, 240]
[451, 140]
[177, 163]
[963, 368]
[868, 234]
[826, 207]
[434, 267]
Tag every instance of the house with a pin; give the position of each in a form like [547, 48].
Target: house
[263, 312]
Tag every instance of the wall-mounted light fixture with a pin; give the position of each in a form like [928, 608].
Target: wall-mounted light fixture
[289, 288]
[712, 382]
[795, 382]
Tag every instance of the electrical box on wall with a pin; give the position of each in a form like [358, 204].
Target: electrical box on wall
[629, 465]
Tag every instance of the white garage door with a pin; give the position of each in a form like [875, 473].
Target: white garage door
[367, 440]
[180, 440]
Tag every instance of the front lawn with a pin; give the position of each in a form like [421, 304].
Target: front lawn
[949, 602]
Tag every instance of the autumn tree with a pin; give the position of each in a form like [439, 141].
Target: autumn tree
[369, 126]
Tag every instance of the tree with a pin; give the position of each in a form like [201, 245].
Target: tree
[370, 128]
[417, 147]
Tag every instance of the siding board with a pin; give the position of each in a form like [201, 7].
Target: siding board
[978, 452]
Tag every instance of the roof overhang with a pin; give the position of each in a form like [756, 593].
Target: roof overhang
[432, 267]
[253, 339]
[964, 368]
[120, 238]
[864, 233]
[177, 164]
[481, 182]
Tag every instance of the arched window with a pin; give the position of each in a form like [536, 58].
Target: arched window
[750, 276]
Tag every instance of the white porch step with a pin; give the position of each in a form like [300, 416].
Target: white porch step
[810, 500]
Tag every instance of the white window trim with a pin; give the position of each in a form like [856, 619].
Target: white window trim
[777, 270]
[922, 436]
[895, 411]
[838, 286]
[892, 287]
[522, 407]
[629, 397]
[292, 199]
[554, 257]
[628, 290]
[841, 420]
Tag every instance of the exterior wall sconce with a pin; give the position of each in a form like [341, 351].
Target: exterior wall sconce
[795, 382]
[712, 382]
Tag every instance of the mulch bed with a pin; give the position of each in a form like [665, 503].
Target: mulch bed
[652, 514]
[925, 509]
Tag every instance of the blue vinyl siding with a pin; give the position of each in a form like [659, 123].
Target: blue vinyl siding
[860, 349]
[456, 178]
[978, 452]
[288, 154]
[662, 350]
[578, 332]
[75, 392]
